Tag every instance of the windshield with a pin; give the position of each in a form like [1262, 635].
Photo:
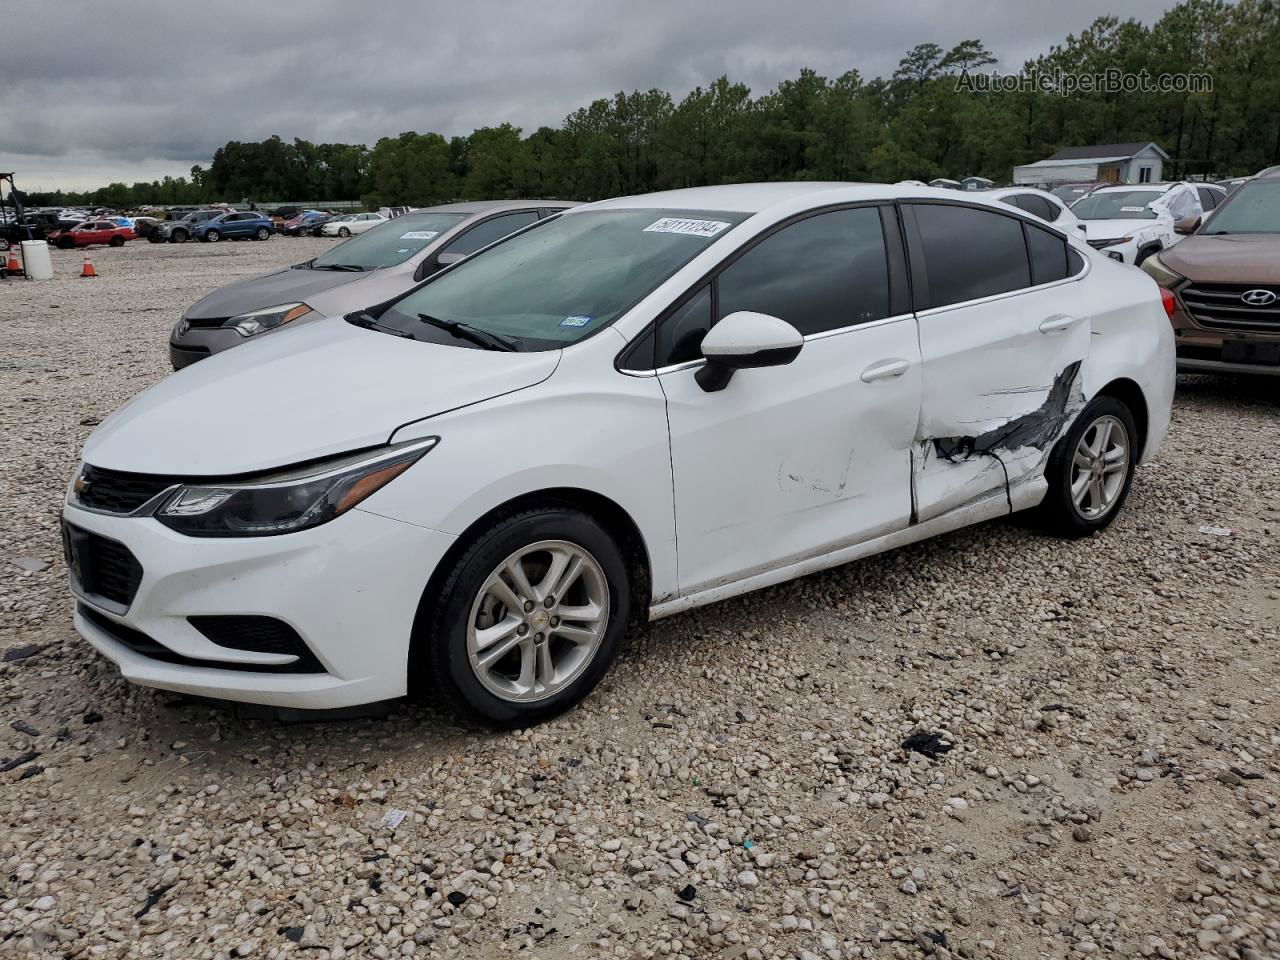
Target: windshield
[1253, 208]
[564, 279]
[1117, 205]
[1070, 193]
[389, 243]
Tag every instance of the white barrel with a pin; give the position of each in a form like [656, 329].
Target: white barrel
[36, 259]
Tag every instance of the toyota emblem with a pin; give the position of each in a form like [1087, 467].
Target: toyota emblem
[1259, 298]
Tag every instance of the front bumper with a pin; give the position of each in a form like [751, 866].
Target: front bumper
[200, 342]
[349, 588]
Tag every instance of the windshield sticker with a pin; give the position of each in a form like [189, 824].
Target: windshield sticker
[1132, 209]
[575, 321]
[694, 228]
[420, 235]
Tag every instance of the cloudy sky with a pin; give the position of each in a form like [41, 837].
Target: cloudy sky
[136, 89]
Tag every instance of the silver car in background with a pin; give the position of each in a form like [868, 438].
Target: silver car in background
[367, 269]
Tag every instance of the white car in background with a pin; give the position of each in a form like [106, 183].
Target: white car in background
[350, 225]
[1041, 204]
[1130, 222]
[632, 409]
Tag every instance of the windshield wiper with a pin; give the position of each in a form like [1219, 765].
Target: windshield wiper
[366, 322]
[464, 331]
[337, 266]
[1218, 233]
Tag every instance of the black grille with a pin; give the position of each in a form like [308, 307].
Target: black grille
[205, 323]
[1217, 306]
[115, 491]
[259, 635]
[101, 566]
[140, 643]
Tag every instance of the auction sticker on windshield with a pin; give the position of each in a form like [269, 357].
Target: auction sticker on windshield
[1132, 209]
[420, 235]
[575, 321]
[696, 228]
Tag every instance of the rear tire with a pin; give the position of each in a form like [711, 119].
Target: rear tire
[1091, 470]
[65, 243]
[558, 647]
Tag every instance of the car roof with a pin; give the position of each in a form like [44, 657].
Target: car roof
[1147, 187]
[1001, 192]
[488, 206]
[753, 198]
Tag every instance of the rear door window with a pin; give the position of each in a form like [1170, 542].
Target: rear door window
[970, 253]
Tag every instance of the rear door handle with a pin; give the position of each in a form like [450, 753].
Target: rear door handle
[885, 370]
[1057, 323]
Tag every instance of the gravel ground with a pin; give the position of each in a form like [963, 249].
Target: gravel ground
[1095, 770]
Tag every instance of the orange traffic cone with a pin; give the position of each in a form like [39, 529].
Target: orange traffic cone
[87, 270]
[13, 266]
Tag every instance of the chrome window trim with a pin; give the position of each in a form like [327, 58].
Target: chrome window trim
[1088, 266]
[820, 335]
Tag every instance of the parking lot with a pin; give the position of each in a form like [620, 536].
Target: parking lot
[1092, 730]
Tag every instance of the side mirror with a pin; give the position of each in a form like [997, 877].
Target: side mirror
[1186, 225]
[743, 340]
[444, 259]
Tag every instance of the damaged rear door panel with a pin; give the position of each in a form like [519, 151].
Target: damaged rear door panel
[1003, 356]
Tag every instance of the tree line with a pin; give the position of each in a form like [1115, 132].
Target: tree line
[920, 123]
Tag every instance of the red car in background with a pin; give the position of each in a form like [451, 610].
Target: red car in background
[91, 232]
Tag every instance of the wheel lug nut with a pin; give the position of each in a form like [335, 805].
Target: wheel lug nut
[555, 621]
[522, 629]
[537, 638]
[528, 606]
[549, 602]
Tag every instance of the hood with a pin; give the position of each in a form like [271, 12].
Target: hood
[269, 290]
[324, 388]
[1235, 258]
[1114, 229]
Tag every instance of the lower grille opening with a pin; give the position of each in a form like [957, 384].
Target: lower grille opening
[257, 634]
[141, 644]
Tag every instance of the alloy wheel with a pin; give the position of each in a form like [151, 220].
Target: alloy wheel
[537, 621]
[1100, 467]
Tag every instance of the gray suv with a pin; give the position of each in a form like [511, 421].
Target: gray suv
[367, 269]
[180, 231]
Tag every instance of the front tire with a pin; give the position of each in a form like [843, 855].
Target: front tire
[343, 232]
[1091, 470]
[116, 242]
[211, 236]
[528, 620]
[180, 236]
[263, 233]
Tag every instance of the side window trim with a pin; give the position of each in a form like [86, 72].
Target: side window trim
[894, 256]
[920, 275]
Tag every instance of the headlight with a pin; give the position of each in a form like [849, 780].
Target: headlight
[289, 500]
[1162, 275]
[258, 321]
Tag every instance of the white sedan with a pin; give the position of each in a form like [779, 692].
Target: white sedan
[1042, 204]
[351, 224]
[629, 410]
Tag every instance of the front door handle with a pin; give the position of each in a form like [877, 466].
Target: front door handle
[1057, 323]
[885, 370]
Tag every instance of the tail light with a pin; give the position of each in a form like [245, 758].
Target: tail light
[1166, 297]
